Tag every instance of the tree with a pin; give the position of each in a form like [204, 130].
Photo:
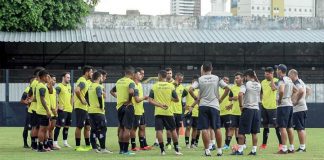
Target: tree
[43, 15]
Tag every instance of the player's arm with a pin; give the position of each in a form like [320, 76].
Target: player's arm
[281, 92]
[273, 85]
[78, 92]
[240, 96]
[58, 91]
[131, 90]
[24, 99]
[226, 91]
[300, 92]
[174, 96]
[42, 99]
[137, 98]
[99, 95]
[155, 103]
[192, 88]
[113, 92]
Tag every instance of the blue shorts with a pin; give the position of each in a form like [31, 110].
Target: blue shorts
[250, 121]
[299, 120]
[285, 117]
[208, 118]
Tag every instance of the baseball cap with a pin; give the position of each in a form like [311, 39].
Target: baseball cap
[269, 69]
[281, 67]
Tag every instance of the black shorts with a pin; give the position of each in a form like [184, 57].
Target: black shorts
[225, 121]
[208, 118]
[43, 120]
[64, 118]
[166, 122]
[139, 120]
[97, 121]
[269, 117]
[250, 121]
[191, 122]
[235, 121]
[285, 117]
[34, 119]
[126, 116]
[82, 118]
[178, 120]
[299, 120]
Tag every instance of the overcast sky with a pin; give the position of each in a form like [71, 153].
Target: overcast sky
[148, 7]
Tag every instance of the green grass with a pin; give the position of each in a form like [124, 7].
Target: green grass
[11, 148]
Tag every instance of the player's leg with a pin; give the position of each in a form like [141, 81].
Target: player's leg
[245, 127]
[290, 130]
[266, 130]
[203, 125]
[142, 134]
[51, 133]
[216, 126]
[171, 126]
[59, 123]
[282, 121]
[255, 129]
[127, 122]
[299, 125]
[26, 128]
[34, 131]
[65, 132]
[86, 132]
[133, 133]
[80, 123]
[188, 124]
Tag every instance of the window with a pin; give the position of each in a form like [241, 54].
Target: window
[268, 8]
[305, 10]
[258, 8]
[252, 7]
[310, 10]
[300, 10]
[295, 9]
[289, 9]
[263, 8]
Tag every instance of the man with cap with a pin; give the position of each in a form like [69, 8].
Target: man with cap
[285, 109]
[269, 106]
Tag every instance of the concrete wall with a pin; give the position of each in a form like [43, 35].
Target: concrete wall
[106, 21]
[319, 8]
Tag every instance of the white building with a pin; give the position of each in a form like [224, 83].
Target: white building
[220, 8]
[259, 8]
[185, 7]
[319, 8]
[263, 8]
[299, 8]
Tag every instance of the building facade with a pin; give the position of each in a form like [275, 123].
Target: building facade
[185, 7]
[319, 8]
[276, 8]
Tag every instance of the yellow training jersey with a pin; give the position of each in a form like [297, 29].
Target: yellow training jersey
[139, 107]
[190, 100]
[84, 86]
[94, 91]
[64, 94]
[33, 104]
[40, 108]
[162, 93]
[236, 105]
[226, 102]
[268, 95]
[122, 90]
[177, 106]
[53, 101]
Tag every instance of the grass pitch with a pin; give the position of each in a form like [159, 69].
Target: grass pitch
[11, 148]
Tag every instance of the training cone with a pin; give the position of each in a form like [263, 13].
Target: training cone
[182, 130]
